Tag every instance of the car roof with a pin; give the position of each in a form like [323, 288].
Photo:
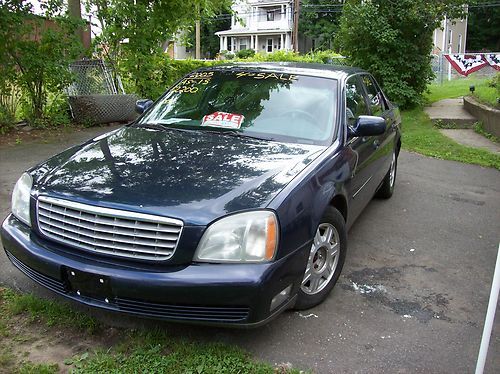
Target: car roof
[300, 68]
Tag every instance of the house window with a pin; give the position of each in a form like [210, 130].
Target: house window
[269, 45]
[243, 44]
[270, 15]
[229, 43]
[459, 49]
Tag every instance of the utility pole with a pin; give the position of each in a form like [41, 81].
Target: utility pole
[295, 34]
[197, 54]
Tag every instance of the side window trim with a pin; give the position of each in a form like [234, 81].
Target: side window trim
[382, 95]
[378, 91]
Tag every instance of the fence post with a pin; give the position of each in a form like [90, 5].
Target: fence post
[490, 317]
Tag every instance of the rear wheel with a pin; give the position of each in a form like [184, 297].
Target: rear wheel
[325, 261]
[387, 188]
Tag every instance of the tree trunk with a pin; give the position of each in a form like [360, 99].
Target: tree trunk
[75, 11]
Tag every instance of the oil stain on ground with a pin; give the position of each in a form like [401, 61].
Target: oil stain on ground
[376, 284]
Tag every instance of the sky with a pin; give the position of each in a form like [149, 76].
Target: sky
[96, 29]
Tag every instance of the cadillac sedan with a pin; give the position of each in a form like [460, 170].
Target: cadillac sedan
[226, 202]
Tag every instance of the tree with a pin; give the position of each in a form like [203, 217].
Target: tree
[393, 40]
[483, 28]
[135, 31]
[319, 19]
[35, 51]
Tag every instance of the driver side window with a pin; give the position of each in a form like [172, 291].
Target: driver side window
[355, 100]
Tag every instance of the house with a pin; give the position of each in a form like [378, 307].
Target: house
[261, 25]
[176, 47]
[451, 37]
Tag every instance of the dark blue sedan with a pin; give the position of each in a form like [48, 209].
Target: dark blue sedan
[227, 202]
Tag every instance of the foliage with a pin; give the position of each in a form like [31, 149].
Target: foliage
[164, 71]
[322, 57]
[419, 135]
[35, 55]
[245, 53]
[479, 128]
[10, 98]
[156, 352]
[483, 28]
[393, 40]
[319, 20]
[495, 83]
[135, 32]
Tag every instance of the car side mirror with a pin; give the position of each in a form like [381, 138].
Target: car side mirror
[367, 126]
[142, 105]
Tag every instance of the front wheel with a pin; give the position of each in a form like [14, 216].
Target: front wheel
[325, 261]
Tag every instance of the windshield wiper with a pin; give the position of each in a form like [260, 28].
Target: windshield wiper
[237, 134]
[160, 126]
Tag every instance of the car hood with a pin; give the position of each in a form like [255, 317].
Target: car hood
[193, 176]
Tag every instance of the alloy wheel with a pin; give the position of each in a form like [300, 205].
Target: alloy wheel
[323, 259]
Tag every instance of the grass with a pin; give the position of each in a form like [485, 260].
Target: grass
[50, 311]
[460, 87]
[31, 368]
[155, 352]
[419, 135]
[478, 127]
[29, 318]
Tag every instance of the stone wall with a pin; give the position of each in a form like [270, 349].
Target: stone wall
[490, 117]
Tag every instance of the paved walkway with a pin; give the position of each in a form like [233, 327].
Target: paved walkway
[472, 139]
[450, 111]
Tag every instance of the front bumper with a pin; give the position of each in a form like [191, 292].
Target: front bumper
[217, 294]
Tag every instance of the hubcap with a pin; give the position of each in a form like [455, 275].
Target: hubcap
[323, 259]
[392, 173]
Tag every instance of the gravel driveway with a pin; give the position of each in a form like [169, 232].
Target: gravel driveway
[414, 290]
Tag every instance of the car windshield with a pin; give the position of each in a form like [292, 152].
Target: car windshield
[266, 105]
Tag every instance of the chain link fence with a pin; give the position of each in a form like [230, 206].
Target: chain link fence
[97, 96]
[444, 71]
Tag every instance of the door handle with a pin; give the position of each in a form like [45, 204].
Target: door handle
[376, 143]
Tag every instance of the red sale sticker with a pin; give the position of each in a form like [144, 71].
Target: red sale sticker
[223, 120]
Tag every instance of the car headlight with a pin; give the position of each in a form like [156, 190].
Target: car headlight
[21, 198]
[243, 237]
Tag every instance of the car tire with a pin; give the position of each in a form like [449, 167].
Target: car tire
[325, 260]
[386, 189]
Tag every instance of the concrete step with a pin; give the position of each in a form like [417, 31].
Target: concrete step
[450, 112]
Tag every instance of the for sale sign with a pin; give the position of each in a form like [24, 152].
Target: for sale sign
[223, 120]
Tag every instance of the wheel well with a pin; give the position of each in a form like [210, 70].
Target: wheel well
[398, 147]
[339, 202]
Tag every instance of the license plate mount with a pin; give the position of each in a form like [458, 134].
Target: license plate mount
[90, 285]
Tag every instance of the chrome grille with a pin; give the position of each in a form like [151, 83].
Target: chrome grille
[108, 231]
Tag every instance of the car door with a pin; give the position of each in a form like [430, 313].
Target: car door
[383, 144]
[363, 184]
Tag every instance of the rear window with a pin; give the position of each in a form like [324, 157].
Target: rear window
[268, 105]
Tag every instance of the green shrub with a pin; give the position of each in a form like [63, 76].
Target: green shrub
[245, 53]
[393, 40]
[10, 97]
[495, 82]
[161, 72]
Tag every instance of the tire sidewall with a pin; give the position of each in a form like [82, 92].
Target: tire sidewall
[334, 217]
